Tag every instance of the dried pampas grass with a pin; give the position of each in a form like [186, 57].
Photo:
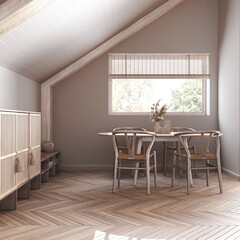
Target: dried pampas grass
[158, 113]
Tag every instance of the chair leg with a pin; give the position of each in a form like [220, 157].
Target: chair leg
[148, 176]
[207, 173]
[138, 151]
[164, 158]
[119, 174]
[191, 178]
[173, 168]
[219, 174]
[142, 164]
[188, 175]
[115, 174]
[155, 168]
[194, 152]
[135, 174]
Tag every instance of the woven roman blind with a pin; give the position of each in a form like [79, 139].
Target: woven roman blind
[158, 65]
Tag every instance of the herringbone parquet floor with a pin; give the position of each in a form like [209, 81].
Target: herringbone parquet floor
[80, 205]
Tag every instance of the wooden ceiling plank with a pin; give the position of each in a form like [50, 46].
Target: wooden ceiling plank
[14, 12]
[104, 47]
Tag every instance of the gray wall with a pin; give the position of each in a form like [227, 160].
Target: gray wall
[18, 92]
[80, 102]
[229, 15]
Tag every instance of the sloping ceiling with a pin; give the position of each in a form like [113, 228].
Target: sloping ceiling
[64, 31]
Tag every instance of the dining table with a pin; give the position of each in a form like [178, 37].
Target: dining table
[159, 137]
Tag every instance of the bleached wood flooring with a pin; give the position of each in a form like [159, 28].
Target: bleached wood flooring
[80, 205]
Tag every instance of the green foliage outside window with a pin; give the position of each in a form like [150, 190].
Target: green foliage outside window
[187, 98]
[137, 95]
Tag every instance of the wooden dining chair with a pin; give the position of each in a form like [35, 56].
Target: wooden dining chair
[211, 160]
[173, 147]
[133, 139]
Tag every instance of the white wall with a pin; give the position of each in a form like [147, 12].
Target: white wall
[229, 23]
[80, 102]
[18, 92]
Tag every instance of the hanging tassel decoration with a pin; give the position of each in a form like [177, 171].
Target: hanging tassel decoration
[32, 159]
[19, 165]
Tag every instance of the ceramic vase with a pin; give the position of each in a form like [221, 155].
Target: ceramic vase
[162, 127]
[48, 146]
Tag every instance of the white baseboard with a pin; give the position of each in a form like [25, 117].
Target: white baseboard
[100, 168]
[231, 174]
[91, 168]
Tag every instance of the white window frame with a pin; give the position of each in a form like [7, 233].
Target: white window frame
[205, 86]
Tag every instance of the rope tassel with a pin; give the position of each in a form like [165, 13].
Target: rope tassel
[19, 165]
[32, 159]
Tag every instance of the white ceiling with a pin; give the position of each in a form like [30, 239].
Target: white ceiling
[65, 31]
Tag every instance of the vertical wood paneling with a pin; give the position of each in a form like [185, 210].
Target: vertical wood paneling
[0, 154]
[22, 131]
[35, 143]
[35, 169]
[8, 173]
[8, 134]
[35, 130]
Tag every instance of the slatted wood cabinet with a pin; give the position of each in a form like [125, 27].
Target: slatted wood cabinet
[35, 145]
[20, 156]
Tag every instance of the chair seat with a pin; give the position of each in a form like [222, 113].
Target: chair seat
[181, 148]
[137, 157]
[209, 156]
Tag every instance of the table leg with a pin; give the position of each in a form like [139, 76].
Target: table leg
[179, 158]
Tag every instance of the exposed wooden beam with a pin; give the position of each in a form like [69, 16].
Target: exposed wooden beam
[2, 1]
[103, 48]
[14, 12]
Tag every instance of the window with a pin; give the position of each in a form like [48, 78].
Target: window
[137, 80]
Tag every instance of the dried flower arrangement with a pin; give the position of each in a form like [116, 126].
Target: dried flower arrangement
[157, 112]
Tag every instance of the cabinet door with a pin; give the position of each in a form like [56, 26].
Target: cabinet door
[8, 151]
[8, 134]
[8, 174]
[35, 130]
[35, 168]
[35, 143]
[22, 132]
[22, 177]
[0, 177]
[22, 143]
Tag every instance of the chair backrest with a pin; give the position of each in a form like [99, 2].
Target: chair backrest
[182, 129]
[131, 137]
[123, 147]
[205, 137]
